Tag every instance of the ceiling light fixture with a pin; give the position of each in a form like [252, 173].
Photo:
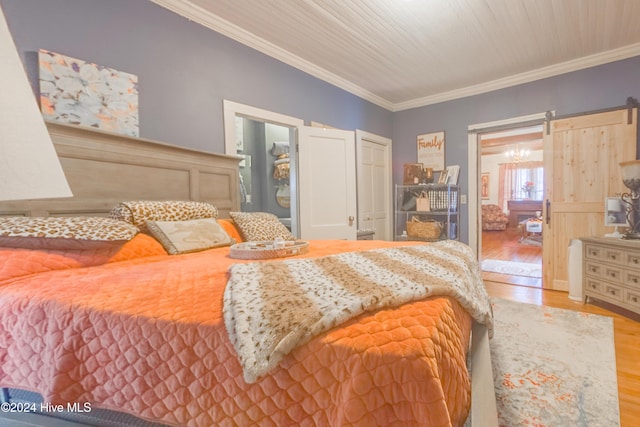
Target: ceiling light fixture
[516, 156]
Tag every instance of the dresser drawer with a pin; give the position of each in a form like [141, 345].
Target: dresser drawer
[633, 260]
[616, 256]
[612, 272]
[613, 292]
[593, 252]
[593, 269]
[632, 298]
[631, 278]
[593, 286]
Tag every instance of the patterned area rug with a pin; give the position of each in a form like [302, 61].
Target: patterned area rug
[512, 268]
[553, 367]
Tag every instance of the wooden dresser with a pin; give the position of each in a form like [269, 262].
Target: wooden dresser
[611, 271]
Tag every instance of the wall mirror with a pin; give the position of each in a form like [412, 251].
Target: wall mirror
[615, 215]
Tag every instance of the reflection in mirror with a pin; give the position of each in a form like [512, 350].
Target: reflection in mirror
[245, 179]
[265, 168]
[614, 215]
[241, 124]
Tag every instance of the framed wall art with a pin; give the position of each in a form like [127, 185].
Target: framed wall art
[484, 186]
[442, 179]
[452, 174]
[412, 173]
[431, 150]
[77, 92]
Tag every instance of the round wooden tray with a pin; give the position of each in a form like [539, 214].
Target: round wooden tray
[267, 250]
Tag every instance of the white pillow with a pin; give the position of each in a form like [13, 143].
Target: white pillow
[181, 237]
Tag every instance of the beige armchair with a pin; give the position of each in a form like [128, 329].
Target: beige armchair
[493, 218]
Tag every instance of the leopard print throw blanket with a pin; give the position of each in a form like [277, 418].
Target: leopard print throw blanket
[270, 308]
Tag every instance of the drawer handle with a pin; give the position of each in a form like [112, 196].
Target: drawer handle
[612, 256]
[634, 279]
[613, 274]
[594, 269]
[611, 291]
[593, 286]
[633, 298]
[635, 260]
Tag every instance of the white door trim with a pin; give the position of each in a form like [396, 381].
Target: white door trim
[361, 136]
[232, 109]
[475, 231]
[475, 240]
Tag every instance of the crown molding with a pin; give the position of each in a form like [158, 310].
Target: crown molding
[203, 17]
[213, 22]
[530, 76]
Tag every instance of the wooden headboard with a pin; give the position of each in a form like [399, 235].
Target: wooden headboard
[104, 168]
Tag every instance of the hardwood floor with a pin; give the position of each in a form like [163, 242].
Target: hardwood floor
[505, 246]
[626, 336]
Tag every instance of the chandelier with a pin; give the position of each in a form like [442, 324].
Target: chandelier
[516, 156]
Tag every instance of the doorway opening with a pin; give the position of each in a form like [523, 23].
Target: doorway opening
[265, 167]
[268, 169]
[511, 197]
[321, 205]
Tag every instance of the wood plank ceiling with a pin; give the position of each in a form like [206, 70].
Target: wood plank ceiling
[402, 54]
[527, 138]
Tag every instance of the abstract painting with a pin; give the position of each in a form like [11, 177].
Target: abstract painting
[81, 93]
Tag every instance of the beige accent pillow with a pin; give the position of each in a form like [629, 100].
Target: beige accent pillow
[181, 237]
[139, 212]
[63, 233]
[260, 226]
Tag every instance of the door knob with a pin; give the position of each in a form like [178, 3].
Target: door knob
[351, 218]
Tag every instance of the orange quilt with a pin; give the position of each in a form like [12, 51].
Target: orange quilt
[142, 332]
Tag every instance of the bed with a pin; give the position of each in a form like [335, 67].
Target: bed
[132, 329]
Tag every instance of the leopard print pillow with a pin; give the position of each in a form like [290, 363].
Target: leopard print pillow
[62, 233]
[260, 226]
[139, 212]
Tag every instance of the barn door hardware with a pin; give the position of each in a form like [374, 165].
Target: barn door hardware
[631, 104]
[548, 209]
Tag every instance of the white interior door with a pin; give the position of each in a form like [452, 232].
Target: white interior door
[374, 184]
[326, 184]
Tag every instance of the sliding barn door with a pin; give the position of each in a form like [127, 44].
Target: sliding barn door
[581, 156]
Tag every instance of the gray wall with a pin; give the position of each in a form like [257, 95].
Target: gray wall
[186, 70]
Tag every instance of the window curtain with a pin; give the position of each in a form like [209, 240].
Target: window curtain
[520, 181]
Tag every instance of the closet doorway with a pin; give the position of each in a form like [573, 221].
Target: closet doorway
[322, 205]
[511, 198]
[375, 184]
[268, 165]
